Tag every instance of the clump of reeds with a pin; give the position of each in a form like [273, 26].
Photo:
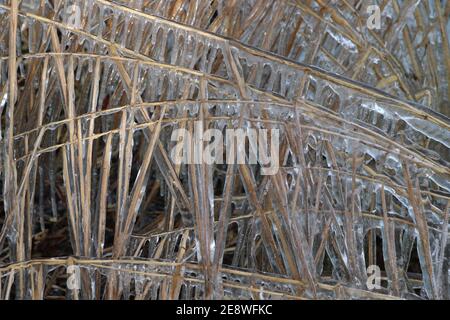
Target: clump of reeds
[94, 207]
